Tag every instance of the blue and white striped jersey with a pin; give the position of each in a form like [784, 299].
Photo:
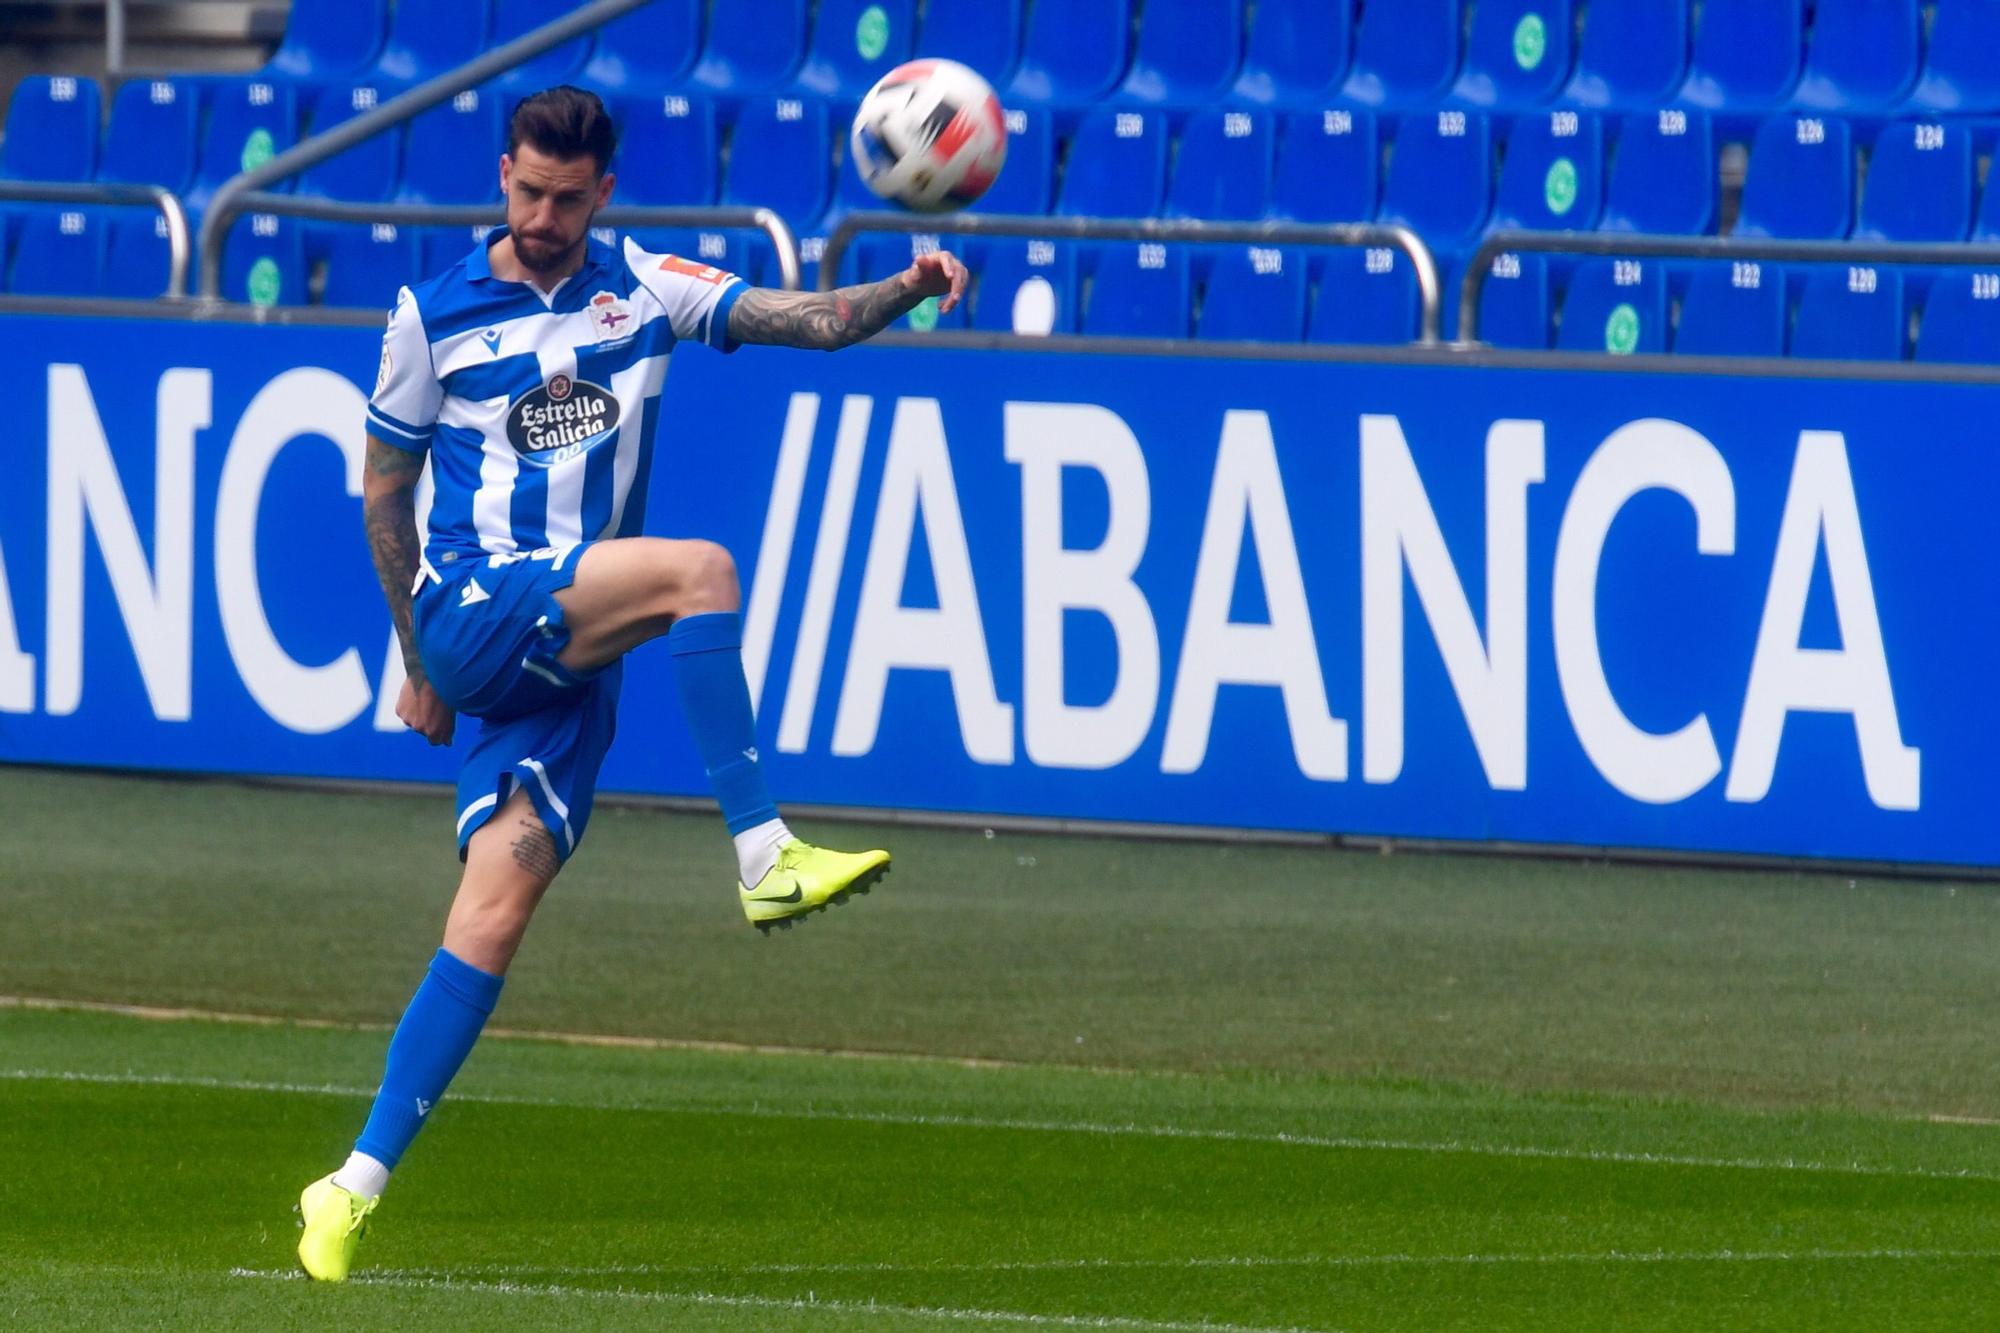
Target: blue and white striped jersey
[539, 411]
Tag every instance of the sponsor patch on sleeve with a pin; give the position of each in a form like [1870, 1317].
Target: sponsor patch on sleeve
[708, 273]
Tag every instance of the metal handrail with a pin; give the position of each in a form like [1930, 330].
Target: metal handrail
[1150, 229]
[169, 205]
[229, 200]
[1641, 246]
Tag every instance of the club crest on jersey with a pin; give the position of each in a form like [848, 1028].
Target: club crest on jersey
[561, 419]
[611, 318]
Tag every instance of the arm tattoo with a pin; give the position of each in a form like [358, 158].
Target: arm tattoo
[822, 321]
[389, 509]
[535, 851]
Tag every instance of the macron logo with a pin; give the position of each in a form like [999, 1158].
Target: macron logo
[472, 593]
[751, 754]
[492, 340]
[424, 1107]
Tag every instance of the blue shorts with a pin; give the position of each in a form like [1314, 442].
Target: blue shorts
[489, 629]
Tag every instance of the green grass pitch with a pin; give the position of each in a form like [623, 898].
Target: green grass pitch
[1036, 1082]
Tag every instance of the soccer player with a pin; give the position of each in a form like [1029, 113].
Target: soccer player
[529, 373]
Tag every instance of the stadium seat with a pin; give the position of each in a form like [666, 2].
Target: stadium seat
[1851, 312]
[249, 123]
[1746, 55]
[365, 265]
[428, 37]
[1662, 179]
[1027, 287]
[1296, 54]
[60, 253]
[1552, 177]
[782, 159]
[1863, 56]
[1633, 53]
[1223, 170]
[1140, 291]
[982, 34]
[453, 152]
[1366, 296]
[646, 51]
[327, 41]
[1733, 309]
[438, 248]
[1800, 183]
[1074, 52]
[1517, 54]
[1441, 177]
[667, 151]
[751, 48]
[264, 262]
[137, 260]
[559, 64]
[1962, 318]
[1919, 186]
[366, 173]
[151, 139]
[1028, 179]
[1514, 302]
[1255, 293]
[51, 129]
[1188, 53]
[1615, 305]
[1962, 70]
[1405, 52]
[856, 42]
[1329, 166]
[1117, 165]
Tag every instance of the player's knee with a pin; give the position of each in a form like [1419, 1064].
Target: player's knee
[708, 579]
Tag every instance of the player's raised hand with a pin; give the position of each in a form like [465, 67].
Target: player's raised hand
[420, 709]
[939, 274]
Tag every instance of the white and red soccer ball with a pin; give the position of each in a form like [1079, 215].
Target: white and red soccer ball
[930, 136]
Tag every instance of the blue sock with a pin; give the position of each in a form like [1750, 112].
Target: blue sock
[432, 1041]
[708, 662]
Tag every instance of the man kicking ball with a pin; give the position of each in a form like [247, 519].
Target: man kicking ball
[530, 374]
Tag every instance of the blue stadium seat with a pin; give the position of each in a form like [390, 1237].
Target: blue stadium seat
[646, 51]
[365, 265]
[1863, 57]
[265, 261]
[60, 253]
[51, 129]
[1851, 313]
[1962, 318]
[1920, 183]
[1223, 170]
[1027, 182]
[752, 48]
[1552, 178]
[1801, 180]
[1188, 53]
[782, 159]
[1514, 303]
[1117, 165]
[1518, 53]
[1441, 177]
[1615, 305]
[1140, 291]
[1329, 167]
[1633, 53]
[1366, 296]
[1962, 70]
[136, 257]
[438, 248]
[1074, 53]
[152, 135]
[667, 151]
[428, 37]
[1405, 52]
[328, 40]
[559, 64]
[249, 123]
[1663, 179]
[366, 173]
[1027, 287]
[454, 150]
[982, 34]
[1297, 52]
[1255, 293]
[1746, 54]
[856, 42]
[1733, 309]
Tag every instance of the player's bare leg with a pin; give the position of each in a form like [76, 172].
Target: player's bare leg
[633, 589]
[509, 864]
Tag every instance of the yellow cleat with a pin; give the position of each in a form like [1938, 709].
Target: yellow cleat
[334, 1219]
[807, 879]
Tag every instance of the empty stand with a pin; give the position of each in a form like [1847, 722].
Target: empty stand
[328, 40]
[1366, 296]
[248, 124]
[428, 37]
[1864, 56]
[752, 48]
[1800, 184]
[667, 151]
[1255, 293]
[1633, 53]
[1405, 52]
[1188, 52]
[1296, 53]
[1140, 291]
[1851, 313]
[365, 266]
[1662, 178]
[1223, 170]
[1962, 69]
[1328, 167]
[1027, 181]
[1517, 53]
[51, 129]
[982, 34]
[137, 259]
[1552, 178]
[1747, 55]
[60, 253]
[1514, 308]
[1027, 287]
[151, 139]
[454, 150]
[1117, 165]
[559, 64]
[1441, 177]
[1074, 52]
[856, 42]
[1920, 184]
[1617, 306]
[1962, 318]
[438, 248]
[265, 262]
[782, 159]
[371, 169]
[646, 51]
[1733, 309]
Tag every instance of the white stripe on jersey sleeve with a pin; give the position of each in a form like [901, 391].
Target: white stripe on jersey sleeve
[688, 289]
[404, 408]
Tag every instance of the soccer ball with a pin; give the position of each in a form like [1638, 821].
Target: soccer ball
[930, 136]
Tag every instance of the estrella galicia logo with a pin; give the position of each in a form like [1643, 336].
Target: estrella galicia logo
[561, 419]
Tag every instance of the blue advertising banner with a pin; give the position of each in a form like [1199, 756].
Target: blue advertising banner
[1704, 613]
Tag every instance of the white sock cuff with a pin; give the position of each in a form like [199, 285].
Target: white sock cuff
[362, 1175]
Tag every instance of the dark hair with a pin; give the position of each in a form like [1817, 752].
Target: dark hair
[564, 122]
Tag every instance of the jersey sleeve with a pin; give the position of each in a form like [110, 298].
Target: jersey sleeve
[697, 296]
[404, 408]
